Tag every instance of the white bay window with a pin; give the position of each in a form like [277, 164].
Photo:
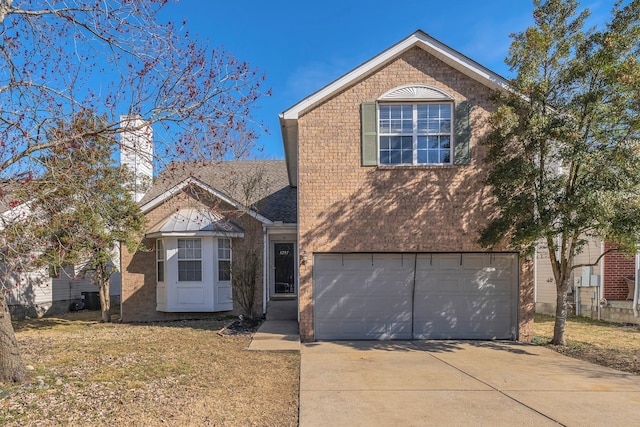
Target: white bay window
[193, 262]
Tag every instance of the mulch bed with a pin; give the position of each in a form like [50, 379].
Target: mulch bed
[245, 327]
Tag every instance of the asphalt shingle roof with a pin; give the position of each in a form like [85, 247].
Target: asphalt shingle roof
[261, 184]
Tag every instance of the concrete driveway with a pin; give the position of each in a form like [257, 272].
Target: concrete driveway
[447, 383]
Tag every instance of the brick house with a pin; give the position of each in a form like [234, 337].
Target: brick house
[387, 171]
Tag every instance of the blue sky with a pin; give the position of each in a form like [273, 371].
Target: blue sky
[304, 45]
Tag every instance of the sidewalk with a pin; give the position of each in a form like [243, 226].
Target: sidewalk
[276, 335]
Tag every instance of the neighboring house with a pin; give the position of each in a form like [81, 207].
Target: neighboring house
[388, 172]
[41, 292]
[604, 291]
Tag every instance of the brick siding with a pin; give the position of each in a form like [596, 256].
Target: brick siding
[344, 207]
[616, 267]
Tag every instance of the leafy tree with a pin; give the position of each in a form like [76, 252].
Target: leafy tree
[564, 145]
[61, 61]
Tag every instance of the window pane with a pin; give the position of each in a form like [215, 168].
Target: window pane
[396, 142]
[224, 249]
[159, 250]
[407, 156]
[422, 126]
[445, 142]
[422, 156]
[422, 142]
[434, 156]
[224, 271]
[160, 272]
[395, 126]
[433, 142]
[433, 126]
[445, 111]
[422, 111]
[445, 126]
[396, 158]
[385, 142]
[395, 111]
[189, 271]
[407, 143]
[189, 249]
[385, 158]
[445, 156]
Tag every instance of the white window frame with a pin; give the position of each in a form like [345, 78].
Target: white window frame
[224, 258]
[161, 261]
[415, 134]
[183, 256]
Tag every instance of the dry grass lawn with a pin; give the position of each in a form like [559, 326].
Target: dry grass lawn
[176, 373]
[608, 344]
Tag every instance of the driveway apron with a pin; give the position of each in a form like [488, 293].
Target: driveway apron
[466, 383]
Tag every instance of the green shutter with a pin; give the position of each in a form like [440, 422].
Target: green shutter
[462, 148]
[369, 126]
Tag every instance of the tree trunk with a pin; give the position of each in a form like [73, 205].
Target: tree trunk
[561, 314]
[105, 299]
[12, 367]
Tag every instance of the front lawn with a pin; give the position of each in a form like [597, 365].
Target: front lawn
[608, 344]
[175, 373]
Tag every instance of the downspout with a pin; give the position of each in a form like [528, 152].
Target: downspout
[265, 265]
[535, 276]
[636, 293]
[601, 282]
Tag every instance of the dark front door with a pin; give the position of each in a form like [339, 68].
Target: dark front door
[284, 274]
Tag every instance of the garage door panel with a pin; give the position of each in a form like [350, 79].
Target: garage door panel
[360, 296]
[463, 296]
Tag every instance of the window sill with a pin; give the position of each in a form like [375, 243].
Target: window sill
[413, 167]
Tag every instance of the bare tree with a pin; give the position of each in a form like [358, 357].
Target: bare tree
[108, 58]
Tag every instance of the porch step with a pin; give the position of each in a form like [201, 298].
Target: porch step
[282, 309]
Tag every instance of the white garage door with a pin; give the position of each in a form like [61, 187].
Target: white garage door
[424, 296]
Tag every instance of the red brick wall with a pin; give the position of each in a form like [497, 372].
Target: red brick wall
[616, 267]
[344, 207]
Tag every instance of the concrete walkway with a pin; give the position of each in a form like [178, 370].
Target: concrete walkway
[276, 335]
[449, 383]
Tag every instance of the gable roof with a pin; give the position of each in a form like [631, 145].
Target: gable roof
[451, 57]
[271, 200]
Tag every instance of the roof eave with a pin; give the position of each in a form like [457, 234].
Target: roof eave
[228, 234]
[155, 202]
[289, 129]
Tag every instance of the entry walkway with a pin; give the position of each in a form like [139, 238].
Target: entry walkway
[466, 383]
[276, 335]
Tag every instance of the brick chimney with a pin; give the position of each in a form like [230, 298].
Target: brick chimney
[136, 151]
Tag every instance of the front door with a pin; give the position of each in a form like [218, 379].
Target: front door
[284, 268]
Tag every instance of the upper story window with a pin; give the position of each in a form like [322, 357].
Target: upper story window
[416, 125]
[415, 134]
[189, 260]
